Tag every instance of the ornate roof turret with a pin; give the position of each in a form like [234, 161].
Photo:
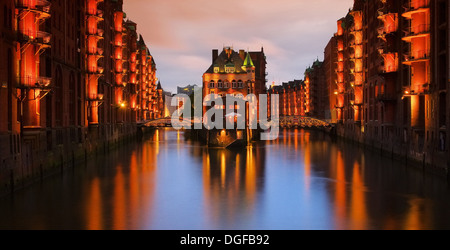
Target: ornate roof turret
[248, 62]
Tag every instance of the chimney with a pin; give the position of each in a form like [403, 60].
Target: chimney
[242, 54]
[215, 54]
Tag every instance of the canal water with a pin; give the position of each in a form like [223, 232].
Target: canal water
[303, 180]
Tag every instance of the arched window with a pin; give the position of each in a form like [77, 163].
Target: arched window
[5, 16]
[72, 98]
[9, 78]
[240, 84]
[59, 98]
[234, 84]
[220, 84]
[226, 84]
[211, 84]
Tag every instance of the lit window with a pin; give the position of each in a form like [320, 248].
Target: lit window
[229, 69]
[216, 70]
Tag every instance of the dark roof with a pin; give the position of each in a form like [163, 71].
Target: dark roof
[223, 59]
[287, 85]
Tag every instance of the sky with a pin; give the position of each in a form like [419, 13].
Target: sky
[181, 34]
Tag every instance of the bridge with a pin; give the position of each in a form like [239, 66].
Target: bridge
[162, 122]
[285, 122]
[303, 122]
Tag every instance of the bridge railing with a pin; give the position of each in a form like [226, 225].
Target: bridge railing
[301, 121]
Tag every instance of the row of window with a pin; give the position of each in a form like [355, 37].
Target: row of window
[225, 85]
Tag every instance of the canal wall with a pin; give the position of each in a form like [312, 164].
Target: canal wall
[43, 153]
[393, 147]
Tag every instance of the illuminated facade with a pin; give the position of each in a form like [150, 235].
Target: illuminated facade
[233, 73]
[315, 101]
[291, 98]
[329, 64]
[71, 81]
[391, 77]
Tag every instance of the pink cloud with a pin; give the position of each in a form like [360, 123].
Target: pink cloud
[293, 32]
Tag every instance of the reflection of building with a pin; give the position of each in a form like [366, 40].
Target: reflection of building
[188, 90]
[230, 178]
[92, 87]
[391, 91]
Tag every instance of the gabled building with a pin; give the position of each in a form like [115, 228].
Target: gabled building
[233, 73]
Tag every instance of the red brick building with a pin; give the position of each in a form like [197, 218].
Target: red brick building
[330, 59]
[392, 69]
[74, 78]
[316, 101]
[291, 98]
[233, 73]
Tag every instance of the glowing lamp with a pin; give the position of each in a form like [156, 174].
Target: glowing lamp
[406, 92]
[100, 96]
[223, 133]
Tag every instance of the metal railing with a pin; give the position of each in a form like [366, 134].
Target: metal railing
[417, 55]
[388, 69]
[34, 82]
[417, 30]
[416, 4]
[38, 5]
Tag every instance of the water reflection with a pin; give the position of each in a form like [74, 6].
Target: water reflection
[232, 180]
[116, 200]
[302, 180]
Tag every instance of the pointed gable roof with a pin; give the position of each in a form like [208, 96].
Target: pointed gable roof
[227, 58]
[248, 62]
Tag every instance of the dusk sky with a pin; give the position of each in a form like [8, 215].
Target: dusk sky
[181, 34]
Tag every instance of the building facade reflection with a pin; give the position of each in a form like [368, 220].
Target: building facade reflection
[305, 180]
[232, 181]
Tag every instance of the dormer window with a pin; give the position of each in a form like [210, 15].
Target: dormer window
[216, 70]
[229, 68]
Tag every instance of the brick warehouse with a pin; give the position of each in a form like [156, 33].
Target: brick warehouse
[387, 68]
[75, 77]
